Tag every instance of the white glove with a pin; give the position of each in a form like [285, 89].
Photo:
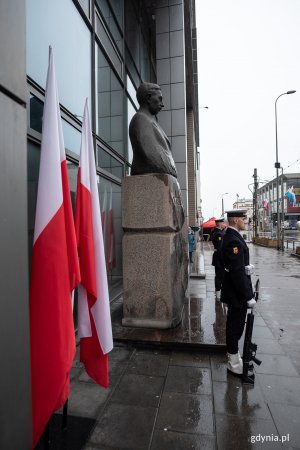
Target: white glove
[251, 303]
[249, 269]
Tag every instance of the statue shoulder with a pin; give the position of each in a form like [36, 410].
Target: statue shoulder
[139, 122]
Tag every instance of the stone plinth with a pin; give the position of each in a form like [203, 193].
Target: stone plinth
[152, 202]
[155, 261]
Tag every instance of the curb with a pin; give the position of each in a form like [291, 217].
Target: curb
[177, 346]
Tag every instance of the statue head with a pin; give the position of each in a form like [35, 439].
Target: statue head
[149, 96]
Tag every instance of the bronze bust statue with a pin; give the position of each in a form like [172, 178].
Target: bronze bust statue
[151, 146]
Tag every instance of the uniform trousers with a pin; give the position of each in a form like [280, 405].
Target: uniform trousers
[234, 328]
[219, 275]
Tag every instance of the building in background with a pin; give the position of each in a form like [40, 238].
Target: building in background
[246, 203]
[103, 50]
[289, 198]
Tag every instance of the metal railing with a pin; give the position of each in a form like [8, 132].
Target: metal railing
[291, 241]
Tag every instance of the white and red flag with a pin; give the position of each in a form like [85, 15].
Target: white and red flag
[111, 256]
[54, 272]
[94, 321]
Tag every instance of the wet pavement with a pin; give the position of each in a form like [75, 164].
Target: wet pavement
[161, 399]
[279, 306]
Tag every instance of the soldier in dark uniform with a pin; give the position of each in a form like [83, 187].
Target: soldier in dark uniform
[237, 289]
[217, 260]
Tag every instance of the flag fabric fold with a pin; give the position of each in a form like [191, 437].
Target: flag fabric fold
[290, 195]
[54, 272]
[94, 321]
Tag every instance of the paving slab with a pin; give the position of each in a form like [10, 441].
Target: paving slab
[171, 440]
[189, 359]
[149, 364]
[124, 427]
[189, 380]
[243, 433]
[287, 419]
[187, 413]
[139, 390]
[280, 389]
[241, 400]
[277, 365]
[86, 399]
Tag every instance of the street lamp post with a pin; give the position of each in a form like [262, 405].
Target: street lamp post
[237, 201]
[282, 210]
[277, 166]
[225, 193]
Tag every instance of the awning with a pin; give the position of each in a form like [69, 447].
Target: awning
[211, 223]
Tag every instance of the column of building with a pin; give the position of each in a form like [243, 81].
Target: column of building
[15, 405]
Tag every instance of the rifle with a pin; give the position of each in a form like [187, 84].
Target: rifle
[249, 350]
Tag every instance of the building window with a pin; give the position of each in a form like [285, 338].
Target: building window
[140, 41]
[118, 8]
[111, 23]
[106, 42]
[85, 5]
[110, 105]
[59, 24]
[108, 163]
[110, 205]
[36, 107]
[130, 113]
[72, 136]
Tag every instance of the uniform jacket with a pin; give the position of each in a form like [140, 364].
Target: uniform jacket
[217, 238]
[237, 286]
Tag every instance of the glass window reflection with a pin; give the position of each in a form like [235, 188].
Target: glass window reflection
[109, 163]
[111, 215]
[36, 108]
[132, 32]
[85, 4]
[71, 43]
[118, 7]
[111, 23]
[72, 138]
[110, 105]
[107, 44]
[131, 91]
[130, 113]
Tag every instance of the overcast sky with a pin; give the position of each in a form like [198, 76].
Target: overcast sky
[248, 54]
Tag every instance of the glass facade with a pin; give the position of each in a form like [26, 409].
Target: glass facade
[106, 66]
[110, 103]
[59, 24]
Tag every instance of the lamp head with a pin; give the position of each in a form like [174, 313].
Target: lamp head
[291, 92]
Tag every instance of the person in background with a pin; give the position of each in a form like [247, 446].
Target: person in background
[237, 291]
[191, 244]
[217, 260]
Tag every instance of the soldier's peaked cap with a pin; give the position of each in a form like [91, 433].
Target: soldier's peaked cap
[221, 219]
[237, 213]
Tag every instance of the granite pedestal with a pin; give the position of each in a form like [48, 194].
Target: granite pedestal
[155, 258]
